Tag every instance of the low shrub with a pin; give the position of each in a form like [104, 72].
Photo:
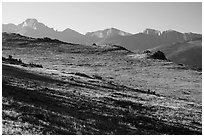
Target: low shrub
[12, 60]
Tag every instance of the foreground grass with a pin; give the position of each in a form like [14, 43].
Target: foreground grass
[39, 104]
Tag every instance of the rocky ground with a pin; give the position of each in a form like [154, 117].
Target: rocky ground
[92, 89]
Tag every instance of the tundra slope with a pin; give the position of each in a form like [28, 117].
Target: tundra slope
[188, 53]
[96, 90]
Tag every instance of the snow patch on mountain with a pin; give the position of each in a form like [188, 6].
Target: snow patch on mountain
[152, 32]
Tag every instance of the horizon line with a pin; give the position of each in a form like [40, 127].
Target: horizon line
[111, 27]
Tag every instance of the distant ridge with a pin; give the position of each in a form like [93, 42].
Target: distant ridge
[107, 33]
[187, 53]
[147, 39]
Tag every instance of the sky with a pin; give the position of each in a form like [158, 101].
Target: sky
[87, 17]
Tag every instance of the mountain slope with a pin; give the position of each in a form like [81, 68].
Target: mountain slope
[95, 89]
[152, 32]
[188, 53]
[101, 35]
[9, 28]
[106, 33]
[71, 36]
[149, 39]
[33, 28]
[138, 41]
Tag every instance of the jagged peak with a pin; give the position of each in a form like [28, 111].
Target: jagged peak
[170, 30]
[150, 31]
[30, 22]
[112, 28]
[68, 30]
[108, 32]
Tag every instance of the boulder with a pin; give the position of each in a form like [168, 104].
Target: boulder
[158, 55]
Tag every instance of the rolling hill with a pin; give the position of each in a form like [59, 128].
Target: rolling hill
[187, 53]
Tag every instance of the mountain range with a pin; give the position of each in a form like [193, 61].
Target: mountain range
[171, 42]
[149, 38]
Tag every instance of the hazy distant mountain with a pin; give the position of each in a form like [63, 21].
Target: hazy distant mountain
[101, 35]
[138, 41]
[148, 39]
[107, 33]
[33, 28]
[188, 53]
[70, 35]
[9, 28]
[152, 32]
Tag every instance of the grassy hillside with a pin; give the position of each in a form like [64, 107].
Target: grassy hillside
[96, 89]
[187, 53]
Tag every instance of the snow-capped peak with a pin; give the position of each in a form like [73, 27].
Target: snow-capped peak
[107, 33]
[30, 23]
[152, 32]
